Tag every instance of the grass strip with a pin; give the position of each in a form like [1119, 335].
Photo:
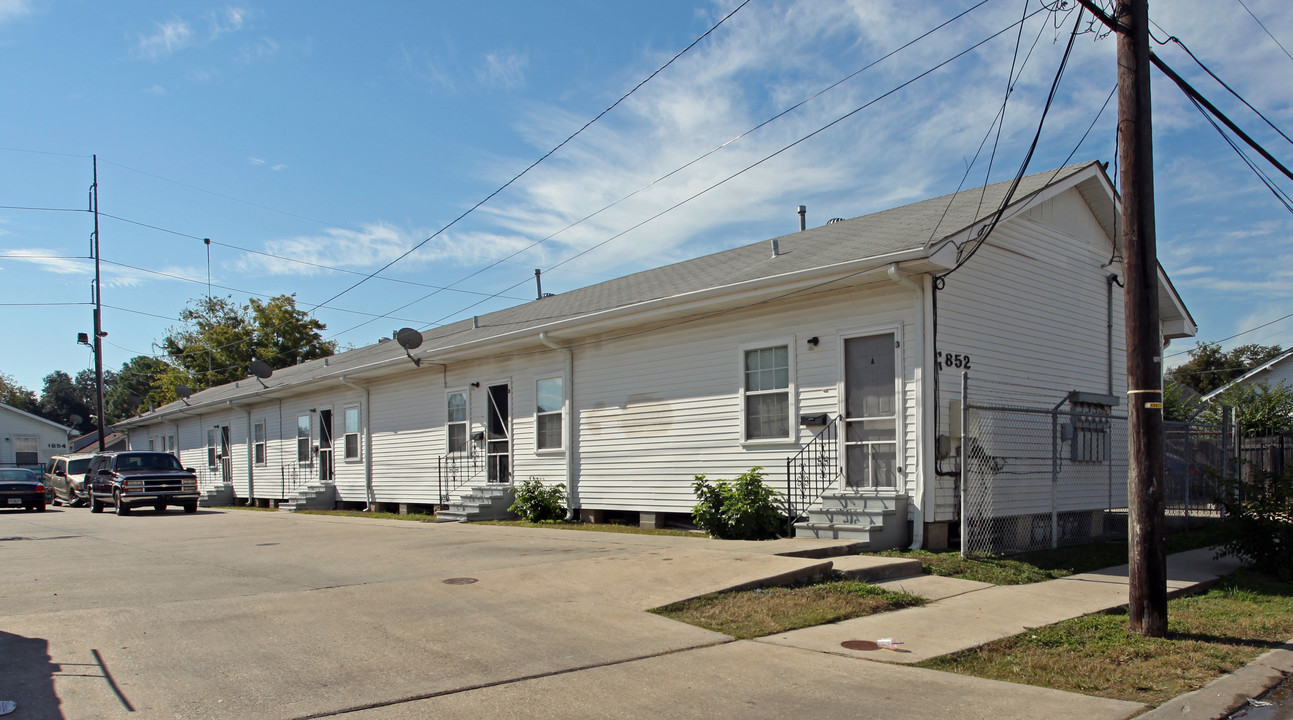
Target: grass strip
[1209, 635]
[1044, 565]
[767, 611]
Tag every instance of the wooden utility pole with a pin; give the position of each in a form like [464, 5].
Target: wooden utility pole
[1147, 546]
[98, 314]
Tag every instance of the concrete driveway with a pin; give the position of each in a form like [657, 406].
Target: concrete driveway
[240, 614]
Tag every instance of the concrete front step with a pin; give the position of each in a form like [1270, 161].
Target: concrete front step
[482, 502]
[862, 500]
[837, 531]
[310, 497]
[841, 516]
[217, 496]
[872, 568]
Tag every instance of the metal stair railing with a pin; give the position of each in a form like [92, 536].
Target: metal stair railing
[454, 471]
[811, 472]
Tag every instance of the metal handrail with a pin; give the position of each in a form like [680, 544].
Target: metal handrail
[811, 472]
[453, 473]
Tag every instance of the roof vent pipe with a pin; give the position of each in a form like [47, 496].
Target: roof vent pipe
[538, 283]
[475, 322]
[803, 218]
[776, 248]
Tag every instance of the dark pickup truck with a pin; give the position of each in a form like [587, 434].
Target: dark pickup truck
[137, 478]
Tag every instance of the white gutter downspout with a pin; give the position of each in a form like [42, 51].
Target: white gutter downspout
[568, 419]
[923, 432]
[368, 439]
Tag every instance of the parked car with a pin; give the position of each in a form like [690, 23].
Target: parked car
[66, 479]
[136, 478]
[21, 488]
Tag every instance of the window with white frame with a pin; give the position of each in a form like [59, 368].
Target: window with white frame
[212, 448]
[350, 442]
[258, 442]
[456, 420]
[765, 393]
[26, 450]
[550, 403]
[303, 439]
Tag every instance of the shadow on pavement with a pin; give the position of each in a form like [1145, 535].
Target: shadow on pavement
[27, 676]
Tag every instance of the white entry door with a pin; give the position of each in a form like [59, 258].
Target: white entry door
[871, 411]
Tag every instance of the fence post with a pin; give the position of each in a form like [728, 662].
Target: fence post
[1055, 476]
[790, 503]
[965, 465]
[1189, 466]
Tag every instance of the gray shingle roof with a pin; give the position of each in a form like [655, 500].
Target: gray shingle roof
[917, 226]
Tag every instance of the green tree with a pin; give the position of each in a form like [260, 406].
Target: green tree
[1209, 368]
[1180, 402]
[134, 386]
[15, 395]
[1260, 408]
[61, 401]
[220, 338]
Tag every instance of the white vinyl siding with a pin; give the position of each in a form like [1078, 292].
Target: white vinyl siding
[26, 449]
[1029, 312]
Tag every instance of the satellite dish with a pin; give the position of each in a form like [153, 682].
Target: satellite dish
[261, 369]
[184, 391]
[409, 339]
[74, 419]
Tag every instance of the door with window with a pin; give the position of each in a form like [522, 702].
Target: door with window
[226, 455]
[871, 412]
[325, 446]
[498, 434]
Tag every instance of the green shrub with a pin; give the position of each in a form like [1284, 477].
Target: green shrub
[741, 509]
[1260, 520]
[536, 503]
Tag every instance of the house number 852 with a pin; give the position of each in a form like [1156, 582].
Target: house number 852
[949, 361]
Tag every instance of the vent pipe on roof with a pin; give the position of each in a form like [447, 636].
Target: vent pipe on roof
[538, 283]
[475, 322]
[776, 248]
[803, 218]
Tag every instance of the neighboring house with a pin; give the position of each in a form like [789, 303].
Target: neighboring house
[1278, 369]
[626, 389]
[89, 442]
[28, 440]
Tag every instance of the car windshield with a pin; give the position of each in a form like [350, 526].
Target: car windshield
[77, 467]
[146, 461]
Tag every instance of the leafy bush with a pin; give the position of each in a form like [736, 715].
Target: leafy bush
[1260, 512]
[536, 503]
[741, 509]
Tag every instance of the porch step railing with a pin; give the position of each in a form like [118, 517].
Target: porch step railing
[811, 472]
[454, 471]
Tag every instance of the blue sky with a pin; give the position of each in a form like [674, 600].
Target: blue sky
[342, 134]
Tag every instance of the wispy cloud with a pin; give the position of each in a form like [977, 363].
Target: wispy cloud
[13, 9]
[503, 69]
[371, 246]
[177, 34]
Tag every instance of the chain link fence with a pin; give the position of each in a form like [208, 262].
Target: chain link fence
[1039, 472]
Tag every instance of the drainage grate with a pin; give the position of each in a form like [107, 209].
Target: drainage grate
[460, 581]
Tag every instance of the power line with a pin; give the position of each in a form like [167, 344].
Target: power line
[545, 156]
[1263, 27]
[680, 168]
[772, 155]
[1232, 337]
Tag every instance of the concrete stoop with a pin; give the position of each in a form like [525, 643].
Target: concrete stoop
[481, 502]
[220, 495]
[876, 519]
[310, 497]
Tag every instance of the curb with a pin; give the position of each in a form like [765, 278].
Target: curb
[1229, 693]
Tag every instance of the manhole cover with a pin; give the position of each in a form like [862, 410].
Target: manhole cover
[460, 581]
[860, 645]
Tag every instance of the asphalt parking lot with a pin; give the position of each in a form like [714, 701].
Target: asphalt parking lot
[240, 614]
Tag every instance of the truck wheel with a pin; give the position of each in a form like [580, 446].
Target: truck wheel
[120, 508]
[96, 505]
[190, 508]
[159, 507]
